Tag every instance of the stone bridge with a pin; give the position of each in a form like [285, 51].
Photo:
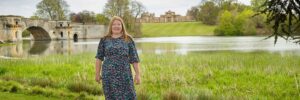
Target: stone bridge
[12, 27]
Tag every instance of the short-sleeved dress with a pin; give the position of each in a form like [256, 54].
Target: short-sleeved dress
[117, 55]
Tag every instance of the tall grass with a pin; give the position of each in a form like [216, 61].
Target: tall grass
[201, 75]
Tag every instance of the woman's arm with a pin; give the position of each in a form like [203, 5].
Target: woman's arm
[137, 77]
[98, 67]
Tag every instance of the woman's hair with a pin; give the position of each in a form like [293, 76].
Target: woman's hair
[126, 36]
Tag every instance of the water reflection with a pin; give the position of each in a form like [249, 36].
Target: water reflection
[39, 47]
[159, 45]
[184, 45]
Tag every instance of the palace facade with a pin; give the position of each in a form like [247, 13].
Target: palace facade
[169, 16]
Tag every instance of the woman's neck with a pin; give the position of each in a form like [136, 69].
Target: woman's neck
[116, 35]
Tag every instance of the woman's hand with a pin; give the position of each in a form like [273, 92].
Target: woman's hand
[98, 78]
[137, 79]
[98, 65]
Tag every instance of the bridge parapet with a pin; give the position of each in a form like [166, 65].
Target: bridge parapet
[12, 27]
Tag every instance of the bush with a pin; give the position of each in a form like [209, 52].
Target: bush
[85, 87]
[242, 24]
[37, 90]
[43, 82]
[205, 95]
[13, 78]
[10, 86]
[83, 96]
[172, 95]
[43, 91]
[225, 27]
[2, 71]
[143, 95]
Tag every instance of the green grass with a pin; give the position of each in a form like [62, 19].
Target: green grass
[15, 96]
[176, 29]
[202, 75]
[6, 44]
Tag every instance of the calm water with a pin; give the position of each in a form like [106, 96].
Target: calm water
[158, 45]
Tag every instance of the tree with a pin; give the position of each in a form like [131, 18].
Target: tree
[195, 12]
[209, 13]
[116, 8]
[127, 10]
[101, 19]
[137, 8]
[210, 9]
[259, 20]
[257, 4]
[52, 9]
[284, 16]
[88, 17]
[243, 24]
[34, 17]
[225, 26]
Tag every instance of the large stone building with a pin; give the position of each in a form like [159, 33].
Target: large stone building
[169, 16]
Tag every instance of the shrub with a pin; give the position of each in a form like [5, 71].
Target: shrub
[172, 95]
[85, 87]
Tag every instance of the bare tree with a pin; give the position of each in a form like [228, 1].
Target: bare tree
[137, 8]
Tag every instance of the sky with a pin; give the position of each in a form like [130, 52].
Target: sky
[27, 8]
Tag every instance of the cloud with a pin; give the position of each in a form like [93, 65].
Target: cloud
[159, 7]
[90, 5]
[18, 7]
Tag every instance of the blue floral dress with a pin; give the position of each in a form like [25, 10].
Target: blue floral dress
[117, 55]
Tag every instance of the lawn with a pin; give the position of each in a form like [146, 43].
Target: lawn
[201, 75]
[176, 29]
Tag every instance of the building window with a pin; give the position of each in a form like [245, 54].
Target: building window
[61, 34]
[75, 37]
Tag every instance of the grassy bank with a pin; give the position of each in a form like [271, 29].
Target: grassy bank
[6, 44]
[214, 75]
[16, 96]
[176, 29]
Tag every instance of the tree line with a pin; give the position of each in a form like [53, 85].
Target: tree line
[231, 17]
[276, 18]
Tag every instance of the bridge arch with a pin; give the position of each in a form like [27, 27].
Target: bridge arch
[38, 33]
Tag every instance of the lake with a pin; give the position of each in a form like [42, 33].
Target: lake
[156, 45]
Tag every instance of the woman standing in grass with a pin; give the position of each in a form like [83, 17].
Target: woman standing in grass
[117, 51]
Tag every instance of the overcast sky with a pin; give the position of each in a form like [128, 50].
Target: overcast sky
[27, 8]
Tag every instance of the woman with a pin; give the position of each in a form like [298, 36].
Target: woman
[117, 51]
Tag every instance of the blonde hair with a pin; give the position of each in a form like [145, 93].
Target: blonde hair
[125, 35]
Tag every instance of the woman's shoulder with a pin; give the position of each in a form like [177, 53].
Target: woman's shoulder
[104, 38]
[130, 38]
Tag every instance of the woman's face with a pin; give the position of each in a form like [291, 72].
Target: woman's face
[116, 26]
